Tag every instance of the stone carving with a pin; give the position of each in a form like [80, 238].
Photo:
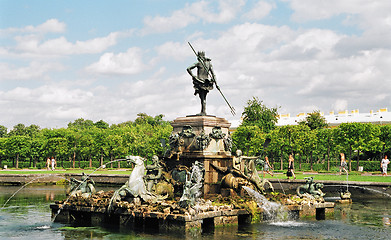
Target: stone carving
[176, 143]
[173, 141]
[84, 187]
[228, 143]
[192, 188]
[202, 141]
[187, 132]
[310, 189]
[217, 133]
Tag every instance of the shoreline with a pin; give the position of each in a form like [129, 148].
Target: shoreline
[119, 179]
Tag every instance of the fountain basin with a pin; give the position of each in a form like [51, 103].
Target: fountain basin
[141, 220]
[124, 218]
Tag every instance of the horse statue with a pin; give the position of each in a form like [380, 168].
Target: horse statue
[135, 186]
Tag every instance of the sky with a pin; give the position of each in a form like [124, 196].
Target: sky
[110, 60]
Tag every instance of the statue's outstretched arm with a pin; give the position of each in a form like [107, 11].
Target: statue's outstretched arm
[191, 68]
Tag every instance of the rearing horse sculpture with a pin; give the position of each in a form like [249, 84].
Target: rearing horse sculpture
[135, 186]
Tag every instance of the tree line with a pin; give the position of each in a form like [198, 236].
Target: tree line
[314, 144]
[88, 144]
[83, 143]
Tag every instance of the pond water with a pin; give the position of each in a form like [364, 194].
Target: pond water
[28, 216]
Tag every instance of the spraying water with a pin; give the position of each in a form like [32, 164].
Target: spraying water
[87, 177]
[364, 188]
[25, 186]
[274, 211]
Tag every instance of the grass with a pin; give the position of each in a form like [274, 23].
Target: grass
[331, 176]
[59, 171]
[354, 177]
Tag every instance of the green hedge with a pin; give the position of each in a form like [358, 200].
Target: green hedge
[368, 166]
[64, 164]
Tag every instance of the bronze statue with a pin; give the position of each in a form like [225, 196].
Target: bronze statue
[310, 188]
[154, 173]
[192, 188]
[84, 187]
[204, 80]
[242, 173]
[202, 83]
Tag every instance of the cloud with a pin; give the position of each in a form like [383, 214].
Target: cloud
[32, 45]
[47, 95]
[47, 106]
[33, 71]
[340, 105]
[300, 68]
[307, 10]
[366, 14]
[50, 26]
[260, 10]
[201, 11]
[173, 50]
[129, 62]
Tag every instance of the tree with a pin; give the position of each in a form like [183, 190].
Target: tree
[2, 149]
[249, 139]
[81, 124]
[314, 120]
[143, 118]
[32, 130]
[325, 143]
[36, 149]
[257, 114]
[17, 146]
[101, 124]
[3, 131]
[115, 146]
[385, 138]
[18, 130]
[101, 143]
[300, 140]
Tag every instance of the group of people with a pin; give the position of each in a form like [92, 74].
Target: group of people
[267, 168]
[383, 165]
[51, 163]
[343, 166]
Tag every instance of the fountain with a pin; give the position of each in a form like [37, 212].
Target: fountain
[196, 185]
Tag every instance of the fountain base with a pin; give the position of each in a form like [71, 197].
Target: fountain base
[166, 217]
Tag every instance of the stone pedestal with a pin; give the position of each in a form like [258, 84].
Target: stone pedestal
[205, 139]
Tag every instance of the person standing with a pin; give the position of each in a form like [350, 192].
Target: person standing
[54, 163]
[384, 163]
[291, 166]
[48, 163]
[267, 167]
[344, 165]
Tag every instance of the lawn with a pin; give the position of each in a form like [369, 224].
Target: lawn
[59, 171]
[354, 176]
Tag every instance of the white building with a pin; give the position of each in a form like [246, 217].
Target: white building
[382, 116]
